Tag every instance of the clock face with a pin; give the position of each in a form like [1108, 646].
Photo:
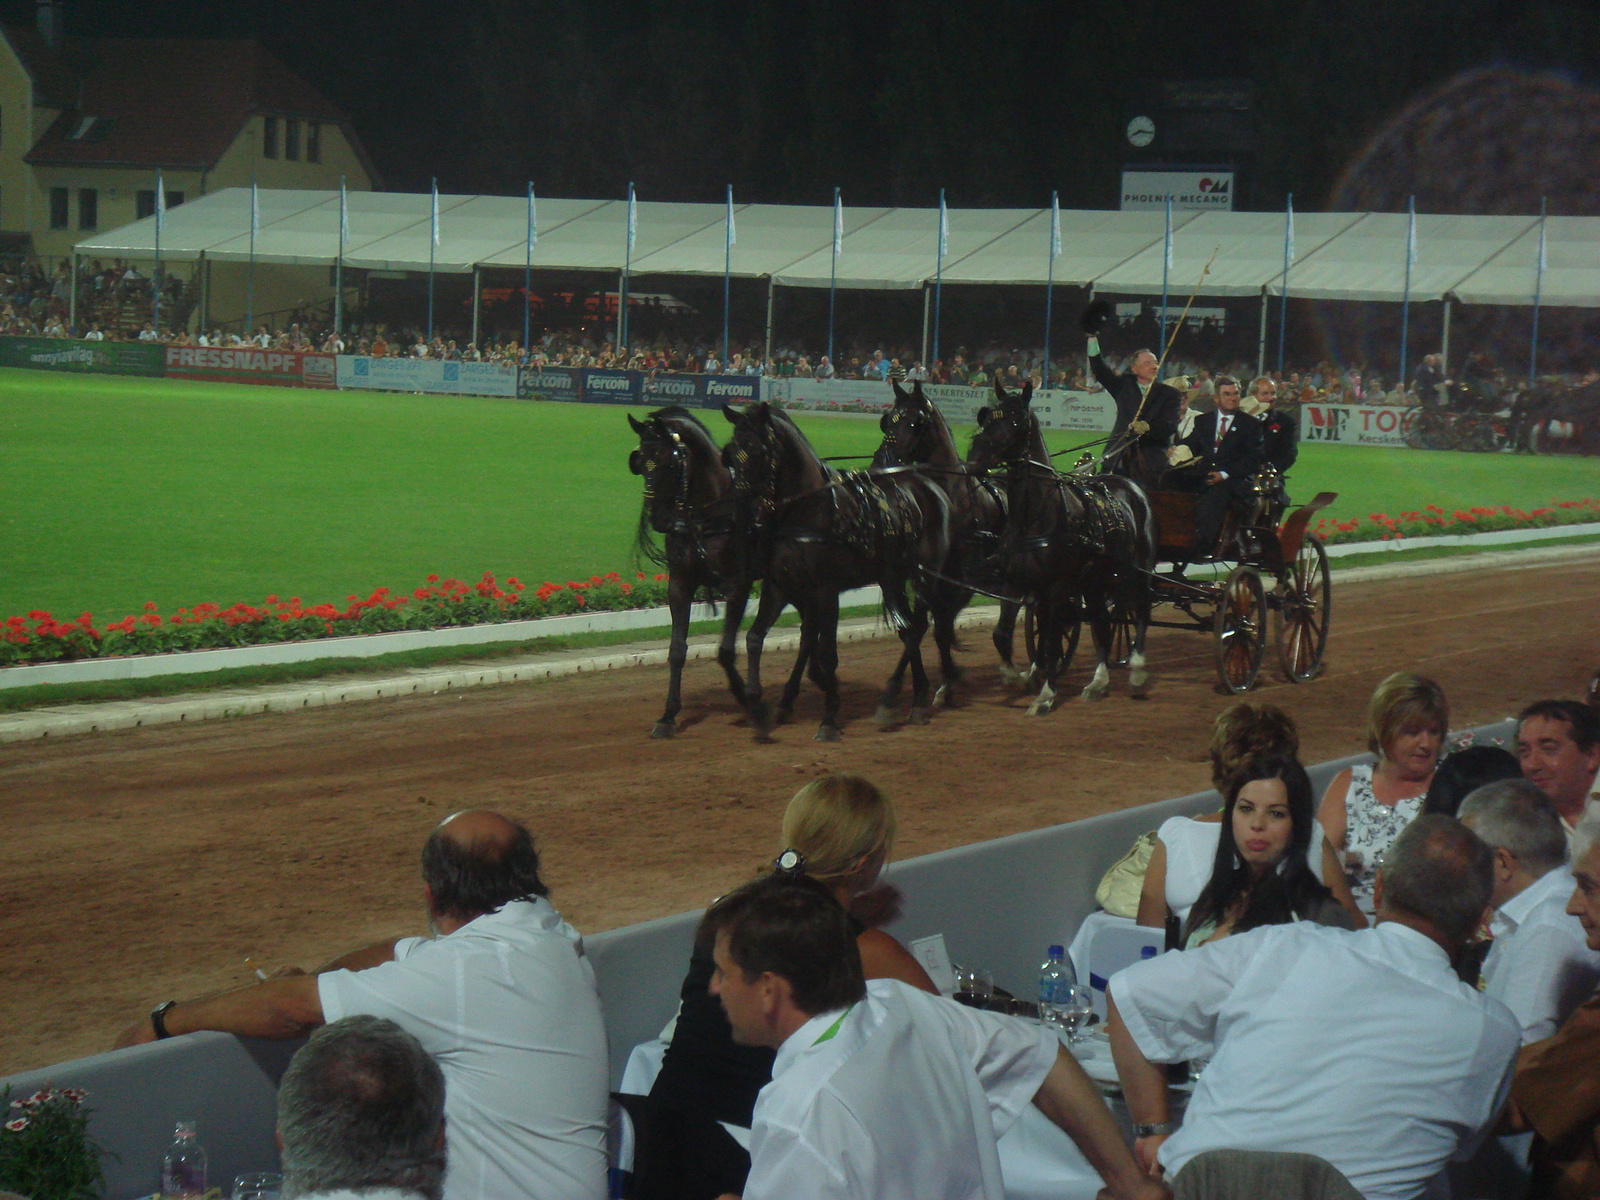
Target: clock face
[1141, 131]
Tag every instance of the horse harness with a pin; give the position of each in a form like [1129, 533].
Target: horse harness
[1106, 522]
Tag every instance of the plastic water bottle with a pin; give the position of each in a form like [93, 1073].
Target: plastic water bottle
[183, 1169]
[1056, 976]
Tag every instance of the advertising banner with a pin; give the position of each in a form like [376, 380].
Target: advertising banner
[549, 383]
[717, 390]
[1355, 424]
[250, 364]
[1086, 411]
[66, 354]
[1189, 189]
[612, 387]
[442, 376]
[830, 395]
[659, 388]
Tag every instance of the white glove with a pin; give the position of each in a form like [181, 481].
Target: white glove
[1140, 427]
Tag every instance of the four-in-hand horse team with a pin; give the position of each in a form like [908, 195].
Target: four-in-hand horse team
[930, 529]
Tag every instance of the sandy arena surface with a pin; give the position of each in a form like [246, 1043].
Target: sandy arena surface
[148, 863]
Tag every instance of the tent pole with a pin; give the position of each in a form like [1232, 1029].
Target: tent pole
[771, 287]
[477, 296]
[1261, 342]
[622, 277]
[1444, 346]
[927, 296]
[72, 297]
[205, 292]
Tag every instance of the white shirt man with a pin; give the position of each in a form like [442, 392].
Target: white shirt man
[1362, 1048]
[1558, 745]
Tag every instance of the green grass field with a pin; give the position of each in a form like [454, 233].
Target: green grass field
[120, 491]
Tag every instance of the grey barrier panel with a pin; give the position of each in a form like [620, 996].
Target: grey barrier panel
[998, 903]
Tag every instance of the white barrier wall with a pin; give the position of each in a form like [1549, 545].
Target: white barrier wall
[447, 377]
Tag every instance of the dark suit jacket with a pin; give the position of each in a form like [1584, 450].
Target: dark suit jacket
[1160, 406]
[1280, 438]
[1239, 456]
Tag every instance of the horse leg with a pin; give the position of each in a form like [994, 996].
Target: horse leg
[1138, 671]
[911, 638]
[734, 601]
[884, 715]
[767, 611]
[678, 598]
[825, 664]
[791, 688]
[1048, 616]
[1004, 638]
[944, 637]
[1100, 628]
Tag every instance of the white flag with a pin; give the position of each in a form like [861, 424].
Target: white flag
[633, 219]
[533, 217]
[944, 227]
[1411, 232]
[1288, 237]
[255, 208]
[838, 223]
[733, 233]
[1055, 227]
[435, 219]
[344, 214]
[161, 204]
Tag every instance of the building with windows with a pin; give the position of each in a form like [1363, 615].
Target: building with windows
[85, 125]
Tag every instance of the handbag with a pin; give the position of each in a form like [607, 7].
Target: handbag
[1119, 888]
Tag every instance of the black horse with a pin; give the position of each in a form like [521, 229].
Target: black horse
[688, 500]
[1070, 543]
[819, 532]
[915, 433]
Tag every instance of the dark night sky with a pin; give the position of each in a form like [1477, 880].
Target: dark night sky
[999, 101]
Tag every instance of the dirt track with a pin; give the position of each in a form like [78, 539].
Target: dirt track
[146, 864]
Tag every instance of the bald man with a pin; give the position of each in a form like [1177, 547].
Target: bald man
[501, 996]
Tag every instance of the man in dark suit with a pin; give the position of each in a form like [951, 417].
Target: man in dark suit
[1147, 415]
[1226, 444]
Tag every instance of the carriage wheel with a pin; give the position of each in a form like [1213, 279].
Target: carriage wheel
[1241, 629]
[1305, 595]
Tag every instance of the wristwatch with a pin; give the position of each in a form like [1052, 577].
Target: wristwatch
[1161, 1129]
[158, 1019]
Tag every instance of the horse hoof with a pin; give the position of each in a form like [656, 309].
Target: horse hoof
[1010, 676]
[884, 716]
[944, 697]
[827, 733]
[1139, 689]
[919, 716]
[1091, 694]
[1040, 708]
[663, 729]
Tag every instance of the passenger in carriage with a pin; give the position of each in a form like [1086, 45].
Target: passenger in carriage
[1226, 445]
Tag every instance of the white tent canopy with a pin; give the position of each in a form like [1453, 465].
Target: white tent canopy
[1338, 256]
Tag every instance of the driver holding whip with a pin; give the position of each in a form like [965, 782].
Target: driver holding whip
[1147, 411]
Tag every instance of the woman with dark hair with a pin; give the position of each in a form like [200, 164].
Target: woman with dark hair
[1466, 770]
[1261, 874]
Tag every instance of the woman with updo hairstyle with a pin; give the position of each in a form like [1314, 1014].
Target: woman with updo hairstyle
[1185, 852]
[1366, 806]
[838, 829]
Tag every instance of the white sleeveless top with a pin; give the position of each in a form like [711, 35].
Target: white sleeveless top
[1192, 852]
[1370, 829]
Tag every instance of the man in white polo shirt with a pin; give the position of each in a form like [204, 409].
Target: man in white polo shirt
[1540, 966]
[502, 997]
[1361, 1048]
[881, 1091]
[1558, 745]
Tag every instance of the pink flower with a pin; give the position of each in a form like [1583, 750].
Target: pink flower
[18, 1125]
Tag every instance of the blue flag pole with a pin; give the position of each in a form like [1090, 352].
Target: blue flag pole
[727, 272]
[1405, 307]
[1538, 288]
[1050, 278]
[338, 264]
[938, 281]
[433, 240]
[627, 268]
[833, 270]
[1288, 261]
[1166, 270]
[527, 274]
[155, 284]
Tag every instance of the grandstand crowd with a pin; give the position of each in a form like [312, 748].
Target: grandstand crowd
[1362, 990]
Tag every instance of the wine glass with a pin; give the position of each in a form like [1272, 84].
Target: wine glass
[1077, 1011]
[974, 986]
[260, 1185]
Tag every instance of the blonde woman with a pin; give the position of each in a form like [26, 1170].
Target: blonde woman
[1366, 806]
[838, 829]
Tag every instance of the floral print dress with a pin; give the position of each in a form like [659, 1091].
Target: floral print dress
[1370, 828]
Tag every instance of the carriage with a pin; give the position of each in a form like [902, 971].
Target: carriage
[1271, 580]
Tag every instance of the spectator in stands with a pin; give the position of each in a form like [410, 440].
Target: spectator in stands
[1558, 744]
[880, 1090]
[502, 997]
[94, 335]
[1465, 770]
[1553, 1093]
[840, 830]
[1366, 807]
[1361, 1048]
[877, 367]
[1540, 966]
[824, 368]
[361, 1110]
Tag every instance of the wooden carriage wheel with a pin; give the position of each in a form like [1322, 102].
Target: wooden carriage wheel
[1305, 610]
[1241, 629]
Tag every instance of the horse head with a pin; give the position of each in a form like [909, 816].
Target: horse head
[914, 431]
[768, 456]
[1007, 431]
[680, 465]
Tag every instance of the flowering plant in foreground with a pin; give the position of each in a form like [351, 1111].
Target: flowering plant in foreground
[46, 1152]
[437, 604]
[1434, 521]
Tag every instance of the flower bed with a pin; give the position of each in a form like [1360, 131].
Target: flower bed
[439, 603]
[1434, 521]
